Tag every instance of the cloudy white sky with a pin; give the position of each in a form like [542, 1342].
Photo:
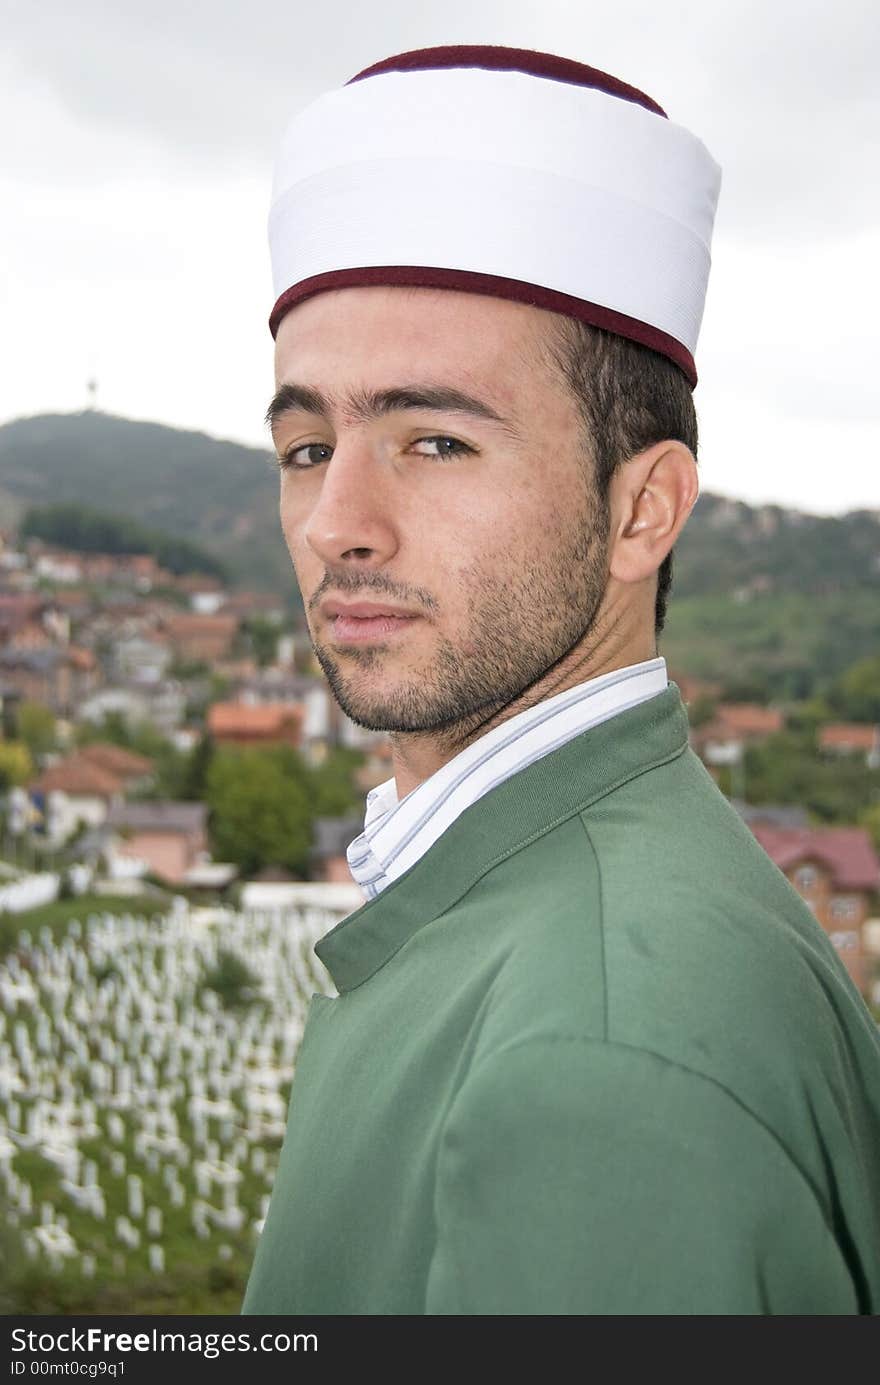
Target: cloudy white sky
[136, 153]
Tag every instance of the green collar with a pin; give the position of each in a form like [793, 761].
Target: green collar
[529, 803]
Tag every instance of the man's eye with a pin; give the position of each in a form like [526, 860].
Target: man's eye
[290, 459]
[454, 449]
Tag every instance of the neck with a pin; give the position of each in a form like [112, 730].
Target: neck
[418, 755]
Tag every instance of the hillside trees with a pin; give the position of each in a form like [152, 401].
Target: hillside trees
[263, 803]
[16, 765]
[855, 693]
[87, 530]
[36, 727]
[788, 768]
[260, 809]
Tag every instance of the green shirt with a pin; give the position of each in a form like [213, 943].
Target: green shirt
[592, 1054]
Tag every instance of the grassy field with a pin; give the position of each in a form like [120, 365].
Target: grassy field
[57, 915]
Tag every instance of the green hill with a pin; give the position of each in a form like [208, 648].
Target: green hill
[728, 545]
[772, 602]
[220, 495]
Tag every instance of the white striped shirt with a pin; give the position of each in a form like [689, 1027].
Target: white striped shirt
[397, 833]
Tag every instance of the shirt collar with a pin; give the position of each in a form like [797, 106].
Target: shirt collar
[392, 824]
[558, 784]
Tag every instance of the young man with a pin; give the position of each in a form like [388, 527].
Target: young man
[590, 1053]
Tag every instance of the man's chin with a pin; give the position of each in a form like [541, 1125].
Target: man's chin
[407, 711]
[440, 701]
[385, 716]
[374, 711]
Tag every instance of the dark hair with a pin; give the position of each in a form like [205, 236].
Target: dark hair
[629, 397]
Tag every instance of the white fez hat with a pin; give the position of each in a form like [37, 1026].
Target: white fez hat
[506, 172]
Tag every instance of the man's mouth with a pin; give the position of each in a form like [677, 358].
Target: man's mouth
[358, 622]
[348, 629]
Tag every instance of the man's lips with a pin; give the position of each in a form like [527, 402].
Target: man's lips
[363, 610]
[357, 622]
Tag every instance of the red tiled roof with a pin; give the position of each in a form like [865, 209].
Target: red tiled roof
[856, 734]
[747, 717]
[116, 759]
[847, 852]
[78, 775]
[245, 718]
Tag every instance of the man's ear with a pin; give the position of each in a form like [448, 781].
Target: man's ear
[651, 498]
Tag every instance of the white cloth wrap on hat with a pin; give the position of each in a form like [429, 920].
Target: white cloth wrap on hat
[502, 173]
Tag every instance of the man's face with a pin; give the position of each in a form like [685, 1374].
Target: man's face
[484, 527]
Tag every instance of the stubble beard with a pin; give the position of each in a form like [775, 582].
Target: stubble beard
[520, 628]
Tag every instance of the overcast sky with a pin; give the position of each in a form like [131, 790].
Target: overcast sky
[136, 155]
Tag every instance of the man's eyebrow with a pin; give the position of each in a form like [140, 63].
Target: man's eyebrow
[289, 398]
[366, 405]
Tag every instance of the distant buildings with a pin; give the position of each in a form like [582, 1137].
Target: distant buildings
[169, 837]
[836, 871]
[81, 789]
[851, 738]
[256, 724]
[732, 729]
[200, 638]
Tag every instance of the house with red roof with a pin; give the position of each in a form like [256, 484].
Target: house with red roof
[73, 792]
[734, 727]
[851, 738]
[255, 724]
[135, 771]
[84, 787]
[836, 871]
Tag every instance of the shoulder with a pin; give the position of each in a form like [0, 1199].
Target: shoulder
[639, 1186]
[695, 971]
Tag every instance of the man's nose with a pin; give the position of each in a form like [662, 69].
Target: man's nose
[352, 517]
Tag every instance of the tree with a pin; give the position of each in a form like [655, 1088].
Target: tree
[263, 637]
[16, 765]
[787, 768]
[808, 716]
[97, 531]
[855, 693]
[870, 818]
[194, 778]
[36, 727]
[334, 790]
[113, 727]
[702, 709]
[260, 808]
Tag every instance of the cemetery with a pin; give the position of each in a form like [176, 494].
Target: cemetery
[145, 1067]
